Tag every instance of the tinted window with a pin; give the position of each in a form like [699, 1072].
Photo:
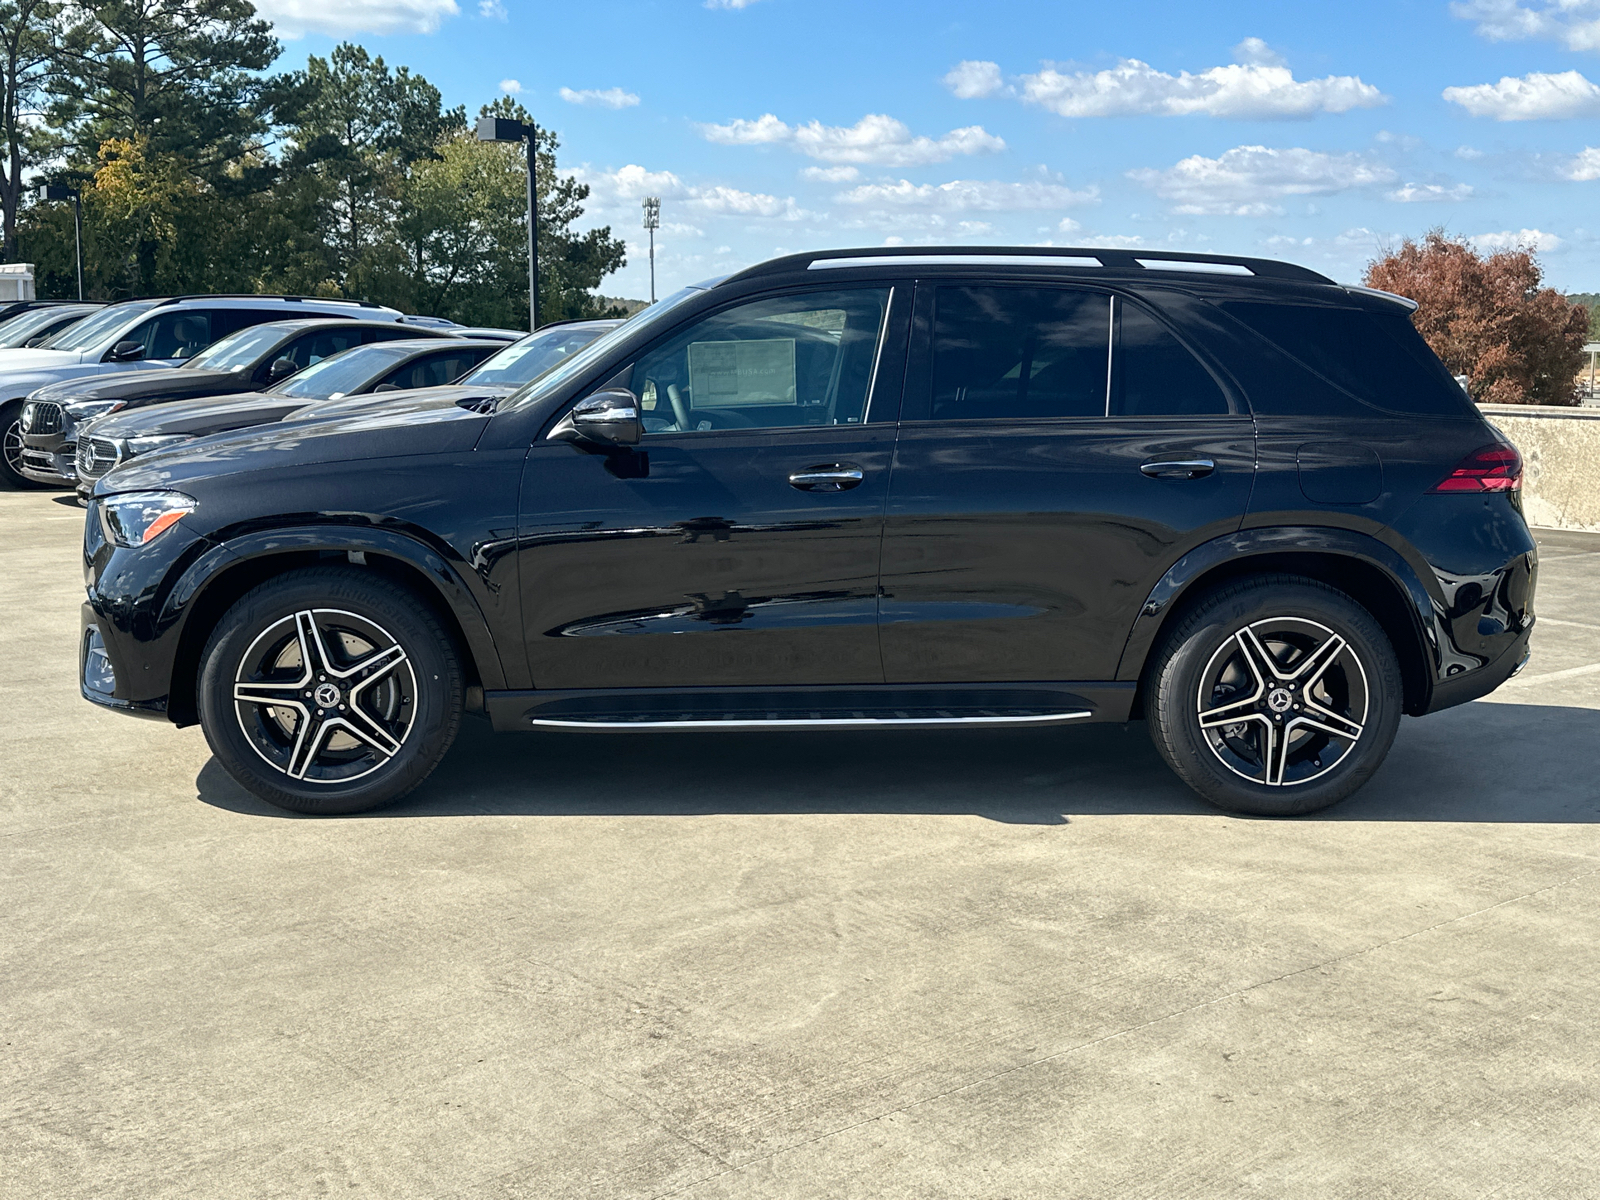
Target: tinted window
[173, 334]
[1155, 375]
[435, 370]
[1003, 353]
[311, 348]
[1378, 358]
[790, 360]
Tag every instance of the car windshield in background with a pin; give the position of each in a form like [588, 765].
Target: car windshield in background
[563, 372]
[526, 360]
[26, 326]
[343, 373]
[238, 351]
[93, 330]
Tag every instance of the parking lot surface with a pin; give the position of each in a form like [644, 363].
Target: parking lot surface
[996, 964]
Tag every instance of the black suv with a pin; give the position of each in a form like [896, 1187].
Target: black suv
[852, 489]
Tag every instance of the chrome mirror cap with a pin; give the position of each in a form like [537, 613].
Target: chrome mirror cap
[606, 418]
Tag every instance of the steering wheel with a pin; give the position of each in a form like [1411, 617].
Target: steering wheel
[680, 410]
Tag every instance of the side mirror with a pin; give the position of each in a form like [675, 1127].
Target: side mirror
[281, 368]
[608, 418]
[126, 352]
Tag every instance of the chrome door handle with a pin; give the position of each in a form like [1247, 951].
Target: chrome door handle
[836, 477]
[1178, 468]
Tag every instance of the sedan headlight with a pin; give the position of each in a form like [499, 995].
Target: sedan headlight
[138, 518]
[154, 441]
[27, 418]
[87, 410]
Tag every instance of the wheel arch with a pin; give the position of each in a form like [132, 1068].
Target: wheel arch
[219, 578]
[1371, 573]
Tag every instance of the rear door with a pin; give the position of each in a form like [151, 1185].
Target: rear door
[1060, 448]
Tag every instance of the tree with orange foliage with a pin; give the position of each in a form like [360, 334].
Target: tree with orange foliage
[1487, 317]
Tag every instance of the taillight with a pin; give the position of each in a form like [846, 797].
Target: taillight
[1496, 468]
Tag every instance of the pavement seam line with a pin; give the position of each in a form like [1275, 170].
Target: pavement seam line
[1092, 1042]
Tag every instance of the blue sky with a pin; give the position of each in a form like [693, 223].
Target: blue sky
[1316, 132]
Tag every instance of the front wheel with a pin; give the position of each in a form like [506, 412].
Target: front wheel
[329, 691]
[1275, 696]
[11, 475]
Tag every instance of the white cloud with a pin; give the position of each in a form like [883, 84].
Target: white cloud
[875, 139]
[629, 185]
[729, 3]
[1582, 167]
[511, 87]
[1521, 239]
[296, 18]
[623, 189]
[492, 10]
[1247, 180]
[1468, 153]
[1413, 193]
[1534, 97]
[970, 79]
[1068, 225]
[609, 98]
[831, 174]
[733, 202]
[1573, 23]
[969, 195]
[1259, 85]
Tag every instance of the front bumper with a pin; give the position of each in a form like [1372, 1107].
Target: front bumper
[97, 675]
[51, 466]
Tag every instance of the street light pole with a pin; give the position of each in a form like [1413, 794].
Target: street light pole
[506, 129]
[652, 222]
[60, 191]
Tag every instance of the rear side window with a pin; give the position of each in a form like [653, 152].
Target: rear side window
[1378, 358]
[1007, 353]
[1155, 374]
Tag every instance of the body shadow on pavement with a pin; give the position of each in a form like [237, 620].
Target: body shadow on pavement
[1482, 762]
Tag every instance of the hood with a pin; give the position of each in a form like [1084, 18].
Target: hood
[148, 385]
[418, 427]
[317, 410]
[20, 359]
[198, 418]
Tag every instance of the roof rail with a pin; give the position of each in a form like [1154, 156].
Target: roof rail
[267, 296]
[1079, 258]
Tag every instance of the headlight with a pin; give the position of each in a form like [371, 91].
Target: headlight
[27, 418]
[154, 441]
[85, 410]
[138, 518]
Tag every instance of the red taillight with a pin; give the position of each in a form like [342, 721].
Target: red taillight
[1495, 468]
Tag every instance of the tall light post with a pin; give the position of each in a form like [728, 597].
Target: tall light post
[506, 129]
[652, 222]
[60, 191]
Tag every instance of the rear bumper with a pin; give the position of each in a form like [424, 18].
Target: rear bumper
[1473, 685]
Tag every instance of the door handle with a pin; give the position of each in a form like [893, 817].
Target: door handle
[835, 477]
[1178, 468]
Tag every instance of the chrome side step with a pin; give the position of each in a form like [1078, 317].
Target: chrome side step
[725, 724]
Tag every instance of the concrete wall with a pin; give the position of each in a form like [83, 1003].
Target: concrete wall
[1561, 452]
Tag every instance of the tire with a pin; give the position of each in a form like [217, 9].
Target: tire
[11, 450]
[1274, 696]
[370, 720]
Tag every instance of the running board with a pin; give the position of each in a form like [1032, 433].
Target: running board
[727, 724]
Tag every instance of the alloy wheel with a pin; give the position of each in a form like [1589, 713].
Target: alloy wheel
[1283, 701]
[12, 445]
[325, 696]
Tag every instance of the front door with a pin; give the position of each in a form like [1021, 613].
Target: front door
[739, 545]
[1039, 490]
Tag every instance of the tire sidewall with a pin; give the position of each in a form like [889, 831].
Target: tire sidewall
[1204, 631]
[436, 708]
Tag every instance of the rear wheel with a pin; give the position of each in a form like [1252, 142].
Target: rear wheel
[329, 691]
[1275, 696]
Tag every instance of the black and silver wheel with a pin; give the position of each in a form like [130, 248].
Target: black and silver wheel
[11, 475]
[329, 691]
[1275, 696]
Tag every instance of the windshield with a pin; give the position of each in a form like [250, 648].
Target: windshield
[21, 328]
[91, 331]
[238, 351]
[341, 374]
[569, 368]
[535, 354]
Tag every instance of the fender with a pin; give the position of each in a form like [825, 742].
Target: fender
[1422, 606]
[447, 581]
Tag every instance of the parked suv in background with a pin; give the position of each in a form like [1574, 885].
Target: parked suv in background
[373, 372]
[146, 335]
[867, 489]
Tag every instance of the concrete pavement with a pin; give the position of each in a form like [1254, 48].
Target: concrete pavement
[1003, 964]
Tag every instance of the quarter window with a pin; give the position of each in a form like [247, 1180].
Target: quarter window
[789, 360]
[1004, 353]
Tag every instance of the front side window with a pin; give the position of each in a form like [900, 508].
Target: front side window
[1008, 353]
[173, 335]
[435, 370]
[311, 348]
[803, 359]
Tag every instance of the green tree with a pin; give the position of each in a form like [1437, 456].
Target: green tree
[27, 54]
